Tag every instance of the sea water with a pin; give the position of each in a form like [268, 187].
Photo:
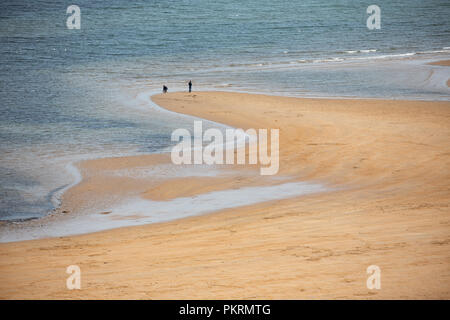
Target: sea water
[68, 94]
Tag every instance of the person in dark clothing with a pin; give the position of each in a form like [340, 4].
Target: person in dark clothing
[165, 89]
[190, 86]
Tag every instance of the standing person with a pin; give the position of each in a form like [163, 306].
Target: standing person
[165, 89]
[190, 86]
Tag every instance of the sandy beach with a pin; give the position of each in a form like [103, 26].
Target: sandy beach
[388, 162]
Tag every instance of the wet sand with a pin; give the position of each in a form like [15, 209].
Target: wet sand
[390, 161]
[445, 63]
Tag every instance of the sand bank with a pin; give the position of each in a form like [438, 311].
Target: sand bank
[389, 159]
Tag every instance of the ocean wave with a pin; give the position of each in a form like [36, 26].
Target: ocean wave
[387, 56]
[334, 59]
[359, 51]
[444, 50]
[355, 55]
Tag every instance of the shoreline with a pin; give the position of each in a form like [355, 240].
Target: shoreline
[150, 100]
[67, 209]
[55, 195]
[336, 118]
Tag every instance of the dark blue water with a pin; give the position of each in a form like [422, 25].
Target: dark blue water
[67, 94]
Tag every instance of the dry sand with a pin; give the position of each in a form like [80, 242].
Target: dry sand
[391, 160]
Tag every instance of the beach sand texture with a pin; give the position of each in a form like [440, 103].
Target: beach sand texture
[389, 161]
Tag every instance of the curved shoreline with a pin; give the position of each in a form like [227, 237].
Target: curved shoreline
[144, 96]
[393, 154]
[69, 210]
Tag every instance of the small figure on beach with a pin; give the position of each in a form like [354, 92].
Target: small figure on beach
[165, 89]
[190, 85]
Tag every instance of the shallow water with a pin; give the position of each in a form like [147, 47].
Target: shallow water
[67, 95]
[134, 212]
